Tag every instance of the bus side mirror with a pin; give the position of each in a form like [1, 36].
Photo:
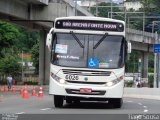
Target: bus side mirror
[129, 47]
[48, 40]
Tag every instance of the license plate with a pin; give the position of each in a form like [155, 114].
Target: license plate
[85, 90]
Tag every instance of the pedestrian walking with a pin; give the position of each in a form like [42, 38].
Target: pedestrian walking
[9, 82]
[138, 83]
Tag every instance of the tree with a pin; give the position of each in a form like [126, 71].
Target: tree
[12, 40]
[151, 63]
[9, 64]
[27, 40]
[148, 6]
[8, 36]
[132, 63]
[35, 56]
[105, 11]
[135, 23]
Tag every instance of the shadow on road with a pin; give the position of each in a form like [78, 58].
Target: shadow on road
[89, 105]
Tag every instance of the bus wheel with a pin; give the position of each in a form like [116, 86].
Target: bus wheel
[58, 101]
[68, 100]
[117, 102]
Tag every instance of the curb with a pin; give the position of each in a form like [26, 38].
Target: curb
[142, 96]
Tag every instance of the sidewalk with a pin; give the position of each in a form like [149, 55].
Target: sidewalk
[144, 93]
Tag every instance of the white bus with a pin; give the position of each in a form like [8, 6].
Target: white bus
[87, 60]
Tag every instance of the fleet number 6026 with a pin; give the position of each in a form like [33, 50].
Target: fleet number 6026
[71, 77]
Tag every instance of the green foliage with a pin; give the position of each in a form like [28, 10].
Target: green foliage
[105, 11]
[14, 39]
[151, 80]
[129, 83]
[27, 40]
[35, 56]
[149, 4]
[8, 35]
[9, 64]
[146, 5]
[150, 70]
[151, 63]
[132, 63]
[150, 7]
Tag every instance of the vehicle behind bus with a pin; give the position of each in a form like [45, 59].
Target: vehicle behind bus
[87, 60]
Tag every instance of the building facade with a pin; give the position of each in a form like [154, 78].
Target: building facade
[133, 4]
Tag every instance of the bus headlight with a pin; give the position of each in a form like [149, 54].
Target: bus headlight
[109, 84]
[58, 79]
[62, 81]
[113, 82]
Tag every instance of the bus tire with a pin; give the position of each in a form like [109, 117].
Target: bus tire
[117, 102]
[58, 101]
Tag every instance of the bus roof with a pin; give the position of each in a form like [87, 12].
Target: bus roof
[89, 18]
[90, 23]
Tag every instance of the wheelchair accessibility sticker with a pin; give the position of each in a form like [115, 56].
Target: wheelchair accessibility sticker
[92, 62]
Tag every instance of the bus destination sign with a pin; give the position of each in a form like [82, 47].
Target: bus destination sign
[89, 25]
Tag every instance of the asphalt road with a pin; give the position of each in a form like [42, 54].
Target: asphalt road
[12, 103]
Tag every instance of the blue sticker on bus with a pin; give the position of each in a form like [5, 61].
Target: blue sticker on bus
[92, 62]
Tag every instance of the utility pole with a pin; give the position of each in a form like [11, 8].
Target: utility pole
[22, 65]
[139, 69]
[96, 8]
[156, 59]
[76, 8]
[111, 8]
[143, 24]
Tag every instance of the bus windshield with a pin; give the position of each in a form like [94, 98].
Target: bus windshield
[79, 50]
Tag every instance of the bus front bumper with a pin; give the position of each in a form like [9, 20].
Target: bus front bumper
[86, 91]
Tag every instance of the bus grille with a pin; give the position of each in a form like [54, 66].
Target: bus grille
[94, 92]
[84, 82]
[86, 72]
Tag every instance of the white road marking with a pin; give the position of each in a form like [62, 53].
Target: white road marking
[145, 106]
[20, 113]
[46, 109]
[139, 103]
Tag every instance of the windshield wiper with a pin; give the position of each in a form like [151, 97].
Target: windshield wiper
[99, 42]
[75, 37]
